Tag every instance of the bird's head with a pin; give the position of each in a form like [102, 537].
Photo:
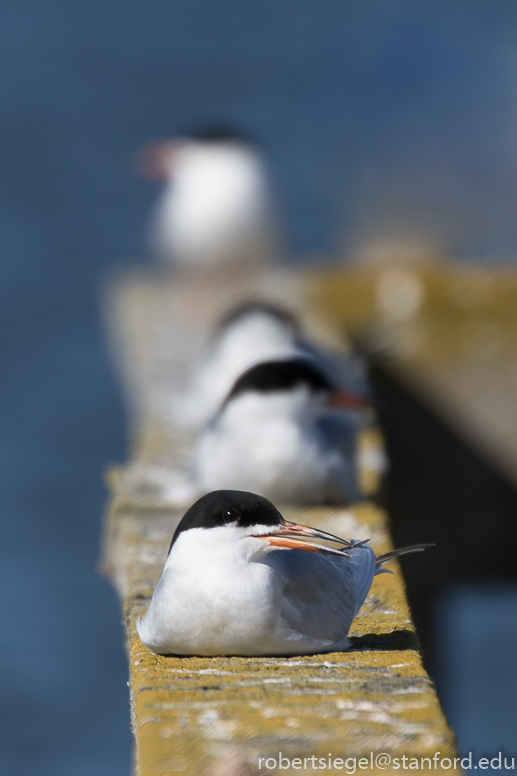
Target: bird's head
[288, 377]
[158, 159]
[235, 515]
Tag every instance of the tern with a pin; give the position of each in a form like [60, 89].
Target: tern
[281, 433]
[241, 580]
[216, 209]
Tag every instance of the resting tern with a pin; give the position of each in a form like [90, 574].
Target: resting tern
[241, 580]
[280, 433]
[216, 207]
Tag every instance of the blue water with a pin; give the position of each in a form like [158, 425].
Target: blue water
[477, 671]
[377, 117]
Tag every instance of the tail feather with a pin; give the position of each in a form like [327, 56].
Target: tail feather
[380, 560]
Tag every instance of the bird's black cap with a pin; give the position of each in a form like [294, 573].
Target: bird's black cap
[272, 376]
[258, 306]
[219, 132]
[223, 507]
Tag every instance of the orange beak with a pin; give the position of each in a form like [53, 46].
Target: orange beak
[283, 537]
[348, 400]
[153, 159]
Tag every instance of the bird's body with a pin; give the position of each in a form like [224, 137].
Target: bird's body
[257, 333]
[235, 583]
[247, 599]
[215, 210]
[286, 445]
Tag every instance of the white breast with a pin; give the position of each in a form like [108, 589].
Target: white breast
[211, 598]
[216, 210]
[279, 445]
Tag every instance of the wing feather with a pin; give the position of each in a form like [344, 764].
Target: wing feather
[318, 595]
[362, 565]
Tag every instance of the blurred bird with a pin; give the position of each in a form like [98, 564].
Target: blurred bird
[251, 333]
[280, 433]
[241, 580]
[216, 208]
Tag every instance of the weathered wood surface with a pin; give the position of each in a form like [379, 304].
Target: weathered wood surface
[218, 716]
[448, 330]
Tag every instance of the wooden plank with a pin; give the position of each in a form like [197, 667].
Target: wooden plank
[448, 330]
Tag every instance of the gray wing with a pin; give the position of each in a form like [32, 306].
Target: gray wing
[362, 565]
[339, 430]
[322, 593]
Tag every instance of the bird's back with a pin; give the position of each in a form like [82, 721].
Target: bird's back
[321, 596]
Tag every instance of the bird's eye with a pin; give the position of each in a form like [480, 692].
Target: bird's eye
[230, 516]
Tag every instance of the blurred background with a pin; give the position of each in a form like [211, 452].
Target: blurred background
[385, 124]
